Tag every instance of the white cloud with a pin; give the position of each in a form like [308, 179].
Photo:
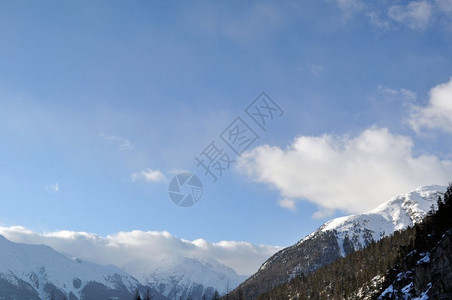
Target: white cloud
[145, 246]
[53, 187]
[316, 70]
[415, 15]
[287, 203]
[438, 112]
[351, 174]
[349, 7]
[149, 175]
[378, 21]
[121, 143]
[323, 213]
[402, 94]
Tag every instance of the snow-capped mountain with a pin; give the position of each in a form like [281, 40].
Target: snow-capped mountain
[396, 214]
[182, 277]
[341, 236]
[39, 272]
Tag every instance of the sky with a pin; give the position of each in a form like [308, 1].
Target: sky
[103, 103]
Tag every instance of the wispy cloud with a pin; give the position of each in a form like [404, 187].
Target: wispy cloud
[444, 6]
[415, 15]
[349, 7]
[145, 246]
[287, 203]
[149, 175]
[402, 94]
[52, 187]
[353, 174]
[121, 143]
[379, 21]
[314, 69]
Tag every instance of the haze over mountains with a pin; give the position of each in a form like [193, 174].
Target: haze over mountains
[38, 271]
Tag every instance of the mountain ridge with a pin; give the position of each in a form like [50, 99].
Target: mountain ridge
[183, 277]
[339, 237]
[413, 263]
[30, 271]
[42, 271]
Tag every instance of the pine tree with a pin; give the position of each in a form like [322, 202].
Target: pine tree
[137, 295]
[147, 296]
[240, 295]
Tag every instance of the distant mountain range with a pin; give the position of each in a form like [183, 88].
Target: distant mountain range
[340, 237]
[39, 272]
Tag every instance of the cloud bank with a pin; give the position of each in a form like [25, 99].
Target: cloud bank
[353, 174]
[145, 246]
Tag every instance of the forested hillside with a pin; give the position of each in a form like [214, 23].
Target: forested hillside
[415, 262]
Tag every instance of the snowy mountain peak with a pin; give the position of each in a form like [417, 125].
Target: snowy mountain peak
[179, 277]
[342, 236]
[396, 214]
[37, 271]
[417, 201]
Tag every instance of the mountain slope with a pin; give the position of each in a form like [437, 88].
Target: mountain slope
[340, 237]
[421, 275]
[424, 270]
[414, 263]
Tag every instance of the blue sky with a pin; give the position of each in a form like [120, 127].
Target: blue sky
[92, 93]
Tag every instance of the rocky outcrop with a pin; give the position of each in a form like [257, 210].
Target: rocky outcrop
[433, 273]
